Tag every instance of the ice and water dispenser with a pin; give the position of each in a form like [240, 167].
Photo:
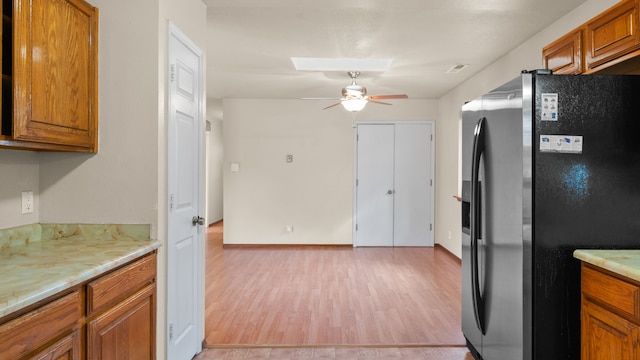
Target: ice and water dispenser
[466, 207]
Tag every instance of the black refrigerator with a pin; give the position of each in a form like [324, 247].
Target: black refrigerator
[550, 164]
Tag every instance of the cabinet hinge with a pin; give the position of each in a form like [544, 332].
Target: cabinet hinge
[356, 227]
[431, 137]
[430, 227]
[170, 332]
[357, 182]
[173, 72]
[431, 182]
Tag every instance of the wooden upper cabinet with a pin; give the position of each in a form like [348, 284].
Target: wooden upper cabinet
[54, 76]
[608, 43]
[564, 56]
[612, 35]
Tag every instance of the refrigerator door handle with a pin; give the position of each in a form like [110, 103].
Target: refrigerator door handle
[476, 218]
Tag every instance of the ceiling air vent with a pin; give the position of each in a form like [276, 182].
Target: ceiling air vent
[456, 68]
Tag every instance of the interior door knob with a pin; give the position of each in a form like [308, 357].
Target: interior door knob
[390, 192]
[197, 220]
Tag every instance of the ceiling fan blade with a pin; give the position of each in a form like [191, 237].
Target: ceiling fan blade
[330, 106]
[319, 98]
[379, 102]
[399, 96]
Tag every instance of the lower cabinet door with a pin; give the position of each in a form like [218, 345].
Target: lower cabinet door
[67, 348]
[606, 335]
[126, 331]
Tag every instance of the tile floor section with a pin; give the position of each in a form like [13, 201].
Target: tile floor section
[343, 353]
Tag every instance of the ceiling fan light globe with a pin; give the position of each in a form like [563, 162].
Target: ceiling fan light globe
[354, 104]
[354, 90]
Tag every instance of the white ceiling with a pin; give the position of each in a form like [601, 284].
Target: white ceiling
[251, 42]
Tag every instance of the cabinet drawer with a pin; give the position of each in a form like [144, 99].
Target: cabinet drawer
[36, 328]
[120, 283]
[619, 295]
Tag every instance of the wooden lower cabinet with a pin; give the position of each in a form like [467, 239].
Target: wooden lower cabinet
[111, 317]
[610, 316]
[40, 327]
[67, 348]
[126, 331]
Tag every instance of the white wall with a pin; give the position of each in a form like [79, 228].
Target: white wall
[314, 194]
[527, 56]
[119, 183]
[214, 162]
[18, 172]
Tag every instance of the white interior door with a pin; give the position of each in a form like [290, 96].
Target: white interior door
[186, 239]
[413, 197]
[374, 187]
[394, 184]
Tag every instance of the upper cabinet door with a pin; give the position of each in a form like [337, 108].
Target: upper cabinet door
[612, 35]
[55, 74]
[564, 56]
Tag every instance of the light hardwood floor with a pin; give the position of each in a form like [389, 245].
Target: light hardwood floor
[341, 353]
[330, 295]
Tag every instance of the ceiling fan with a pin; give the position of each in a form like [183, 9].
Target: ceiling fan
[354, 97]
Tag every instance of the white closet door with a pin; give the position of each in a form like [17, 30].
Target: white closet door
[412, 183]
[394, 190]
[374, 189]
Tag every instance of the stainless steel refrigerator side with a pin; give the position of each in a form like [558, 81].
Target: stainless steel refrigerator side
[471, 112]
[527, 214]
[503, 294]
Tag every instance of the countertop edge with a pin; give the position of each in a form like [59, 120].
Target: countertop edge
[67, 283]
[620, 262]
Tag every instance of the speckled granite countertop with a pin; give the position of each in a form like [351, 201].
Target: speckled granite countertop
[622, 262]
[40, 260]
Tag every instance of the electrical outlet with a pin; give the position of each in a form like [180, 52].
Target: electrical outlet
[27, 202]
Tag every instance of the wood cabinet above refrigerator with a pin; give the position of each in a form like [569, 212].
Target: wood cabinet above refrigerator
[608, 43]
[49, 75]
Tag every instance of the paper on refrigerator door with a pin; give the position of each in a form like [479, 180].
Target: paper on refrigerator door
[561, 143]
[549, 107]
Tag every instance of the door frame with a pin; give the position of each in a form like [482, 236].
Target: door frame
[175, 34]
[355, 170]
